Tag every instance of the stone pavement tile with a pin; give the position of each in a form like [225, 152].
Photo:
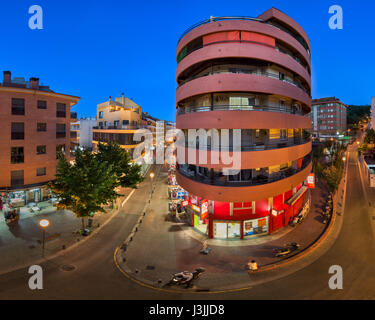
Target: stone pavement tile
[20, 245]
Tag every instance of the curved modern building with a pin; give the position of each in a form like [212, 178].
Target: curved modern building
[252, 74]
[35, 127]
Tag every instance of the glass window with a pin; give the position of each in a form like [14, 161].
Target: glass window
[41, 127]
[41, 172]
[42, 104]
[61, 110]
[16, 178]
[18, 130]
[100, 114]
[41, 150]
[18, 106]
[17, 155]
[60, 130]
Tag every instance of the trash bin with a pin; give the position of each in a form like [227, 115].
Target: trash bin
[89, 222]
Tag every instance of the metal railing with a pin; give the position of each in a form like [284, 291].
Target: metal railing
[281, 109]
[260, 179]
[214, 19]
[248, 71]
[120, 127]
[256, 146]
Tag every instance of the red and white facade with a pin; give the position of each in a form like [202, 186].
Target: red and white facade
[253, 75]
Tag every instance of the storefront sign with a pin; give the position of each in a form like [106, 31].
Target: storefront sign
[204, 209]
[311, 181]
[195, 208]
[184, 203]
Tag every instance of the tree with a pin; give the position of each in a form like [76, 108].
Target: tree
[332, 175]
[128, 173]
[85, 185]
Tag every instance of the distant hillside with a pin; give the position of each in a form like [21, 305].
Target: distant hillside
[356, 113]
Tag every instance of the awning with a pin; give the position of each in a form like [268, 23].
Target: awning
[296, 196]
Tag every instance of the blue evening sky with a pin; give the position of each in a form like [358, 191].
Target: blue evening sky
[94, 49]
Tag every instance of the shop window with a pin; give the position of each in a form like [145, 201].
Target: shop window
[41, 172]
[17, 155]
[42, 104]
[16, 178]
[18, 107]
[18, 131]
[41, 150]
[41, 127]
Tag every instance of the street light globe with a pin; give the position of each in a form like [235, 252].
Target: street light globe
[44, 223]
[152, 175]
[343, 158]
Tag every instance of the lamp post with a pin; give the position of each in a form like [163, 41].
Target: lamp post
[152, 175]
[44, 223]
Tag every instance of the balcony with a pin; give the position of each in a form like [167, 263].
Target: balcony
[282, 109]
[248, 71]
[73, 116]
[73, 135]
[255, 146]
[120, 127]
[250, 177]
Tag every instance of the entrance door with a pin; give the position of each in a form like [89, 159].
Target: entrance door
[220, 230]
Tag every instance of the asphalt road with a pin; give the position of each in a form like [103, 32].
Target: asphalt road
[95, 275]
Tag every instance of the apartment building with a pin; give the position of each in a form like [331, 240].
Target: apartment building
[329, 119]
[252, 74]
[35, 128]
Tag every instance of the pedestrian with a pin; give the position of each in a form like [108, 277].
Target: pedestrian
[252, 265]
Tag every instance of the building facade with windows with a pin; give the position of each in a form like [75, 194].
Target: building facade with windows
[329, 119]
[117, 120]
[251, 74]
[81, 133]
[35, 127]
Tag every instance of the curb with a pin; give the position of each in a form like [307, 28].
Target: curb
[307, 251]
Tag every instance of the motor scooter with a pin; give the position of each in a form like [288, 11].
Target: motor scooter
[283, 252]
[186, 278]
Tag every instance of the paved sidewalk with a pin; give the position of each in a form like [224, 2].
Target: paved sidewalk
[162, 247]
[20, 245]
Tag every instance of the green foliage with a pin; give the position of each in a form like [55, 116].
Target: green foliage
[370, 136]
[85, 185]
[90, 182]
[128, 174]
[357, 113]
[332, 175]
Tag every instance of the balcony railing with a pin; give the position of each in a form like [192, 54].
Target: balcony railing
[213, 19]
[282, 109]
[120, 127]
[256, 146]
[219, 179]
[73, 134]
[248, 71]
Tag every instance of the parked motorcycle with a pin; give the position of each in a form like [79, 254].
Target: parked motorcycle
[288, 249]
[185, 278]
[297, 220]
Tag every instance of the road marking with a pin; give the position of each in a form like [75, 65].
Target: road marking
[128, 197]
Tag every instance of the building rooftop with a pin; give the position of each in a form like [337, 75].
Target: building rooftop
[20, 82]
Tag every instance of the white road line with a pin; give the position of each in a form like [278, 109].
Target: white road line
[128, 197]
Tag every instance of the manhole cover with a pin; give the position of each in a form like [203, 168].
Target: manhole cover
[150, 267]
[68, 267]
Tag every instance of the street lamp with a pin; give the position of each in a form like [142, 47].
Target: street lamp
[343, 158]
[152, 175]
[44, 223]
